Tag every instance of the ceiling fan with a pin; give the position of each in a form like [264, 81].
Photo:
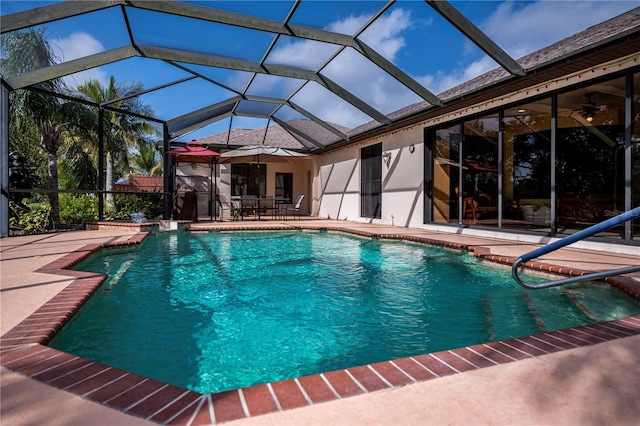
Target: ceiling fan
[589, 107]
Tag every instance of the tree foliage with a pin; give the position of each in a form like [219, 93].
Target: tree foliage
[120, 131]
[46, 116]
[147, 161]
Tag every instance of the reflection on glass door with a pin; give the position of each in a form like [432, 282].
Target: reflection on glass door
[248, 179]
[635, 155]
[480, 171]
[446, 168]
[527, 167]
[590, 156]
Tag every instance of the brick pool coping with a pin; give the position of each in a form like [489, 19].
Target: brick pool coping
[23, 350]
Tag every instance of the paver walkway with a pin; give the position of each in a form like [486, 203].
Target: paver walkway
[589, 385]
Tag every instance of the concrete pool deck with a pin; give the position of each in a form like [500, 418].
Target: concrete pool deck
[593, 384]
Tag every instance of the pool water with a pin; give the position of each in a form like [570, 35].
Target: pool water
[218, 311]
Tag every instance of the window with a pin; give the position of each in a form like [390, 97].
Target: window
[566, 162]
[248, 179]
[445, 167]
[635, 154]
[480, 171]
[284, 186]
[527, 167]
[371, 181]
[591, 157]
[470, 189]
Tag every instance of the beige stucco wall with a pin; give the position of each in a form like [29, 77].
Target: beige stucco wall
[337, 181]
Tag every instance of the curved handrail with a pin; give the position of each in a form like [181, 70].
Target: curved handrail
[580, 235]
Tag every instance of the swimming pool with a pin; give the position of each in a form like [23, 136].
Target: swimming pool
[218, 311]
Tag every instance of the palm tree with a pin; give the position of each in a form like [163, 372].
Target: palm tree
[77, 167]
[24, 52]
[147, 161]
[121, 131]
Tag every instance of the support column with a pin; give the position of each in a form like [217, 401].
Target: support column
[628, 133]
[554, 166]
[500, 167]
[100, 164]
[4, 162]
[166, 173]
[427, 178]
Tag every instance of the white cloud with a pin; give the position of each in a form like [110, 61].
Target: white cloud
[442, 81]
[522, 28]
[309, 54]
[349, 25]
[306, 54]
[78, 45]
[385, 35]
[352, 71]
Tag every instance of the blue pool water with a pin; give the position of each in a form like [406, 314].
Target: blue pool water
[217, 311]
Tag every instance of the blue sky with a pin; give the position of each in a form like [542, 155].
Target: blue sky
[410, 35]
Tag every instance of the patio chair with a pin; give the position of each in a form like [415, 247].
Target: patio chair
[279, 208]
[248, 206]
[233, 207]
[236, 210]
[296, 207]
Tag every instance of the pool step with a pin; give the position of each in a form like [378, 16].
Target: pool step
[503, 323]
[172, 225]
[572, 296]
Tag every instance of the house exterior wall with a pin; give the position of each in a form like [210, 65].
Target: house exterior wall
[402, 188]
[337, 173]
[339, 184]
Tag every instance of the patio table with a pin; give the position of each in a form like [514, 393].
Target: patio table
[248, 203]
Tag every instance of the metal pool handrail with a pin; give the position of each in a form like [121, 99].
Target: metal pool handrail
[580, 235]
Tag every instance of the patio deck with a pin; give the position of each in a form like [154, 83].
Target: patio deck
[592, 384]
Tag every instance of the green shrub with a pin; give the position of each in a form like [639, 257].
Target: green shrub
[150, 204]
[74, 208]
[30, 218]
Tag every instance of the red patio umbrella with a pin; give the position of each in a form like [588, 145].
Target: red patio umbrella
[195, 152]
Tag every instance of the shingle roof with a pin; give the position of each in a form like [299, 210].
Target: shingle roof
[598, 34]
[276, 135]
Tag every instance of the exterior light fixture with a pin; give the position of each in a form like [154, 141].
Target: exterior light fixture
[589, 108]
[386, 157]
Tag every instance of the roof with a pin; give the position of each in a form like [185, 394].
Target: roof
[274, 135]
[283, 69]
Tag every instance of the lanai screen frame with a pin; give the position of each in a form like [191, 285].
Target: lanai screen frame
[172, 128]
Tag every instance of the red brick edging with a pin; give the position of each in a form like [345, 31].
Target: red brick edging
[23, 350]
